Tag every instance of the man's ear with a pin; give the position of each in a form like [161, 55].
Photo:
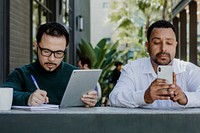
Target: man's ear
[147, 46]
[35, 46]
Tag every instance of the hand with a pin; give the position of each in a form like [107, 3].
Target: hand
[157, 91]
[37, 98]
[176, 93]
[90, 99]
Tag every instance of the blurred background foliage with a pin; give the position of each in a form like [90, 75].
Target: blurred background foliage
[103, 56]
[130, 19]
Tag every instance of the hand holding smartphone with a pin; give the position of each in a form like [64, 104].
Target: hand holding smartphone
[165, 72]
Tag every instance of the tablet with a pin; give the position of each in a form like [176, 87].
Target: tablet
[80, 82]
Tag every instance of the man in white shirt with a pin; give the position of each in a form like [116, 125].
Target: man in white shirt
[138, 85]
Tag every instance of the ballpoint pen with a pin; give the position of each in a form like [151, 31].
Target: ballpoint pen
[34, 81]
[36, 85]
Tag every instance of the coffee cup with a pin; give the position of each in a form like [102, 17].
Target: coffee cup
[6, 98]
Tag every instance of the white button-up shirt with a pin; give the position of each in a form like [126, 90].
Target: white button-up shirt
[137, 76]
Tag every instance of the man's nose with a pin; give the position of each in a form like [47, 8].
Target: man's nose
[163, 46]
[51, 57]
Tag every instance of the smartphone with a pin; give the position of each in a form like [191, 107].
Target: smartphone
[165, 72]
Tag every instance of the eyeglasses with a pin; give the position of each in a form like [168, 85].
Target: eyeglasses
[47, 52]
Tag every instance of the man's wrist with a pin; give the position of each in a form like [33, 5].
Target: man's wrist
[147, 98]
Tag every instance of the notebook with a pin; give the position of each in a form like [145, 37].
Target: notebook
[80, 82]
[34, 108]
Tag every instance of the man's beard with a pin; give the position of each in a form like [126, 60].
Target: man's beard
[48, 68]
[156, 59]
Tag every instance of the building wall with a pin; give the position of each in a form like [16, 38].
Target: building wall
[185, 16]
[94, 14]
[84, 11]
[20, 30]
[100, 28]
[1, 42]
[4, 39]
[78, 8]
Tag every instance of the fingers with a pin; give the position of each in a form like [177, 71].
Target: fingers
[162, 84]
[90, 99]
[177, 95]
[93, 92]
[155, 90]
[46, 100]
[160, 90]
[37, 98]
[162, 98]
[89, 102]
[174, 78]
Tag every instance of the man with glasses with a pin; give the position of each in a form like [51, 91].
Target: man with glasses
[45, 80]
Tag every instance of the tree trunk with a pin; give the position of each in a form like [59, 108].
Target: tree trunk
[165, 10]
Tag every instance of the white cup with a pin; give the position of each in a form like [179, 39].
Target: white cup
[6, 98]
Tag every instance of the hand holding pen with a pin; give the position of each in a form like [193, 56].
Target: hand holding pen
[38, 97]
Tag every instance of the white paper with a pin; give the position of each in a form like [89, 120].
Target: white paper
[40, 107]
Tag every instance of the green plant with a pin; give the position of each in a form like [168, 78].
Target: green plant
[103, 56]
[131, 18]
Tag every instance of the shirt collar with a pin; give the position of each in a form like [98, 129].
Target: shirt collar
[148, 68]
[177, 67]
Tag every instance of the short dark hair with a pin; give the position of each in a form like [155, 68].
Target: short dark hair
[52, 29]
[118, 63]
[159, 24]
[85, 60]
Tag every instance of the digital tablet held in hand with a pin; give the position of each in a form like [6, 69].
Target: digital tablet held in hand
[80, 82]
[165, 72]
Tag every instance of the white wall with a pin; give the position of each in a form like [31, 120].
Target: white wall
[99, 28]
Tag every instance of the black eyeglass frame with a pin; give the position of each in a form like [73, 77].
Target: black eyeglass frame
[47, 52]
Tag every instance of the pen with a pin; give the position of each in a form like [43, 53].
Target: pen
[34, 81]
[36, 85]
